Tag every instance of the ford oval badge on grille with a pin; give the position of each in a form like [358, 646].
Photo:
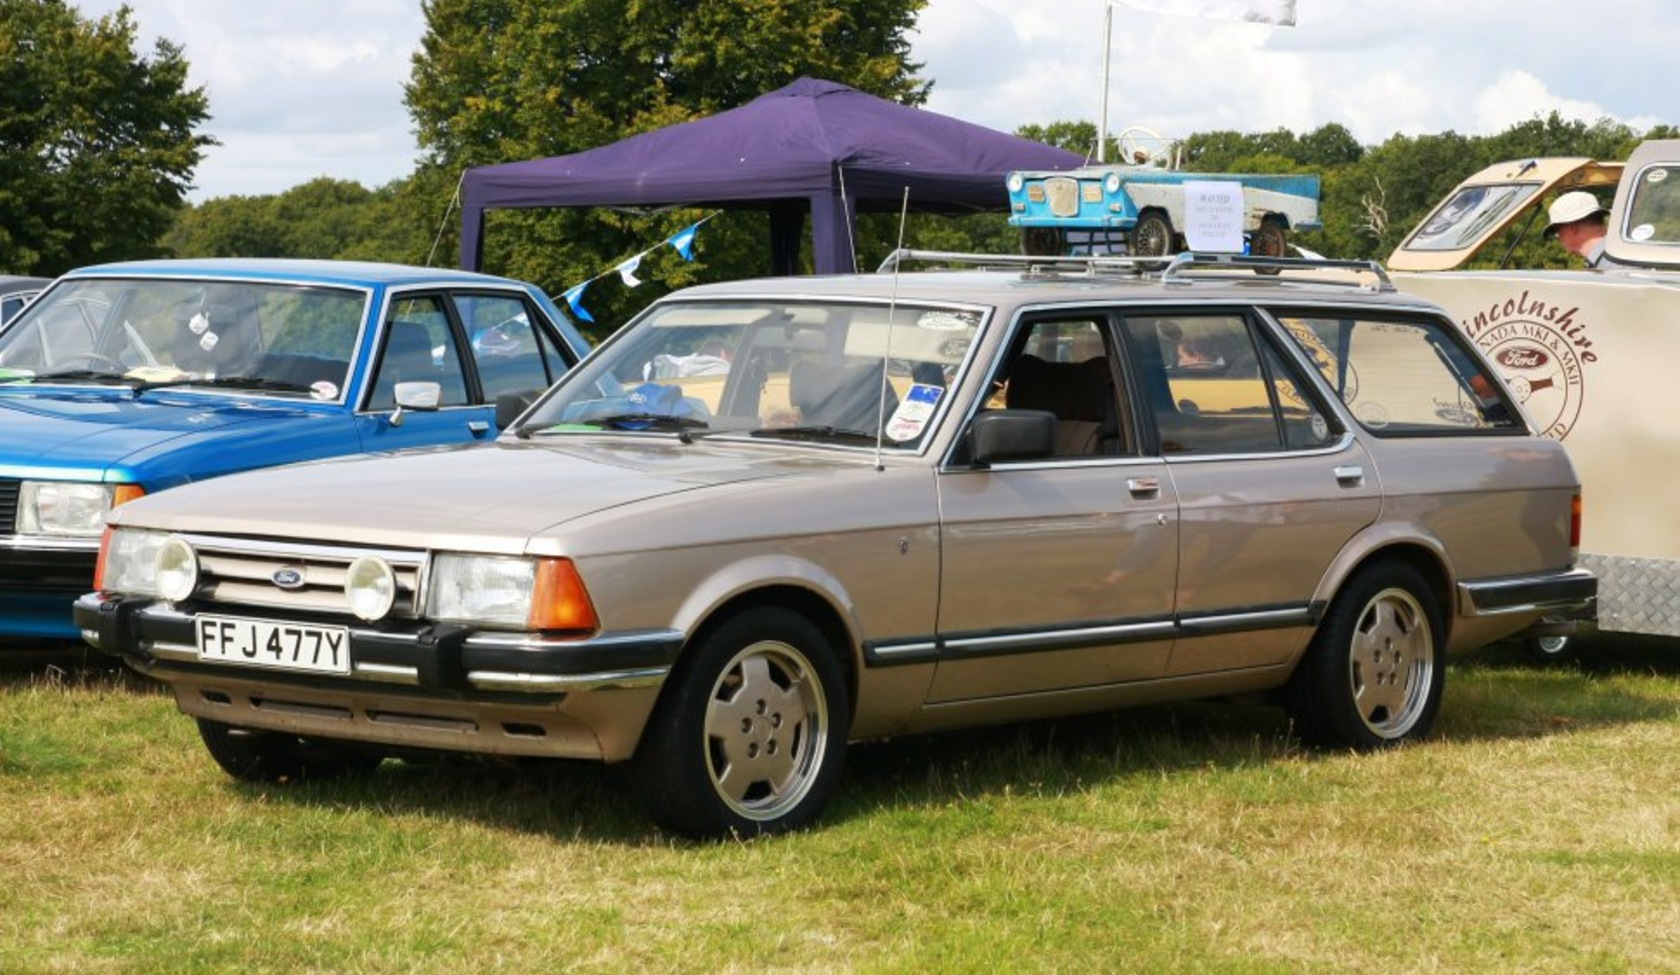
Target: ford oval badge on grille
[288, 578]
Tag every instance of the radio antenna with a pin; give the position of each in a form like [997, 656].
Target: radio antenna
[886, 356]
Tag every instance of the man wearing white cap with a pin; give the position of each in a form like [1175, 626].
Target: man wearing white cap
[1578, 222]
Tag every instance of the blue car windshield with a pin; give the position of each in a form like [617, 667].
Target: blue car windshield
[267, 338]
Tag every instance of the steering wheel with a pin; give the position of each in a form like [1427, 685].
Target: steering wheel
[1140, 145]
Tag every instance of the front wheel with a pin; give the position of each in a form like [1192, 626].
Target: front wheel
[1152, 236]
[749, 735]
[1373, 675]
[273, 756]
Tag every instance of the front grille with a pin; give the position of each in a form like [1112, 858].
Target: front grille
[8, 506]
[1063, 194]
[237, 572]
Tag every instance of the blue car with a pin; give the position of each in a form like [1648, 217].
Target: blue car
[126, 379]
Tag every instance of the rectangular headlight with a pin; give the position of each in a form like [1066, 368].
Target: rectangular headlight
[71, 509]
[521, 593]
[128, 562]
[484, 589]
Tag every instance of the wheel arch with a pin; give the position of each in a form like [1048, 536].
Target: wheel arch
[1429, 562]
[814, 606]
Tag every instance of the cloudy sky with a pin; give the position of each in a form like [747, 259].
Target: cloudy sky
[308, 88]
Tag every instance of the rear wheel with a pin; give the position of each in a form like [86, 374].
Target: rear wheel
[749, 736]
[1270, 240]
[1374, 673]
[1549, 649]
[272, 756]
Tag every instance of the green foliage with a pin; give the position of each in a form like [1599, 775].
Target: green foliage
[323, 218]
[97, 144]
[504, 80]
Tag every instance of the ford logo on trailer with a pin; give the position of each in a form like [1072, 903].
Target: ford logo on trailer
[288, 578]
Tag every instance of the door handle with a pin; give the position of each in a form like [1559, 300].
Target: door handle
[1143, 485]
[1350, 474]
[476, 427]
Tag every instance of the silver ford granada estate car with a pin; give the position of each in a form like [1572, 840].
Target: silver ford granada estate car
[768, 518]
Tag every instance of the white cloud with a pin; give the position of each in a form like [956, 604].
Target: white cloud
[314, 87]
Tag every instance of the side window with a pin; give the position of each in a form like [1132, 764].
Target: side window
[1062, 366]
[511, 353]
[1404, 376]
[1212, 389]
[419, 346]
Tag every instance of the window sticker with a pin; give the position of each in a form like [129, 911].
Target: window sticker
[914, 411]
[324, 390]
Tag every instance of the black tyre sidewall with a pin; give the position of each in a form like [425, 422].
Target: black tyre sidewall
[1319, 695]
[271, 756]
[670, 767]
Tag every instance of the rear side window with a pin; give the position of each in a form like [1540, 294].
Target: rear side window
[1404, 377]
[1213, 387]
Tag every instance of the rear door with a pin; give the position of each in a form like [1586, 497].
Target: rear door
[1269, 486]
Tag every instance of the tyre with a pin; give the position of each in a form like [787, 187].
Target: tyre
[1550, 649]
[1152, 236]
[1373, 674]
[1270, 240]
[272, 756]
[750, 732]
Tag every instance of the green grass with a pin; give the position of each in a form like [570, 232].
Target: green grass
[1538, 832]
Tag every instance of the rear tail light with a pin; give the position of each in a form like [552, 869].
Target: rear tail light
[1575, 523]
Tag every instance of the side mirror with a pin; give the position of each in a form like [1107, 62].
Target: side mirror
[1006, 435]
[511, 406]
[419, 397]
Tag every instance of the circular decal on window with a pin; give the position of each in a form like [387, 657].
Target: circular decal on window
[1320, 429]
[1656, 175]
[1644, 231]
[324, 390]
[1373, 415]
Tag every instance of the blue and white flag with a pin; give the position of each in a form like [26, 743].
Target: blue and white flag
[627, 271]
[684, 241]
[574, 298]
[1280, 12]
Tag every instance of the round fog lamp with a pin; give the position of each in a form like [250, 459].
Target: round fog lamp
[370, 586]
[177, 569]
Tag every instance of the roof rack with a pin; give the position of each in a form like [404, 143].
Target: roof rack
[1089, 264]
[1191, 260]
[1171, 269]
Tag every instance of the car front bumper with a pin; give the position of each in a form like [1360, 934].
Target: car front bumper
[411, 684]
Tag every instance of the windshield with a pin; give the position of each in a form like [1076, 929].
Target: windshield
[1468, 215]
[281, 339]
[812, 371]
[1654, 209]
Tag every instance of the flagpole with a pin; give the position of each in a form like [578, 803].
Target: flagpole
[1102, 126]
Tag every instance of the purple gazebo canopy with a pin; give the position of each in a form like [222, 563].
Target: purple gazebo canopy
[813, 144]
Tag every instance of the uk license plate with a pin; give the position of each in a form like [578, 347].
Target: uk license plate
[265, 643]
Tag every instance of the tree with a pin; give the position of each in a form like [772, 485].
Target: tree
[97, 144]
[323, 218]
[502, 80]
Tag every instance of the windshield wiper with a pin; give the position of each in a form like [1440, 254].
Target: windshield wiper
[636, 422]
[89, 376]
[231, 382]
[816, 432]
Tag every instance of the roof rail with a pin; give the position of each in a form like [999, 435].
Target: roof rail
[1172, 269]
[1191, 260]
[1089, 264]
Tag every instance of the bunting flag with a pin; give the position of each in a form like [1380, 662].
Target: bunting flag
[684, 241]
[1279, 12]
[574, 298]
